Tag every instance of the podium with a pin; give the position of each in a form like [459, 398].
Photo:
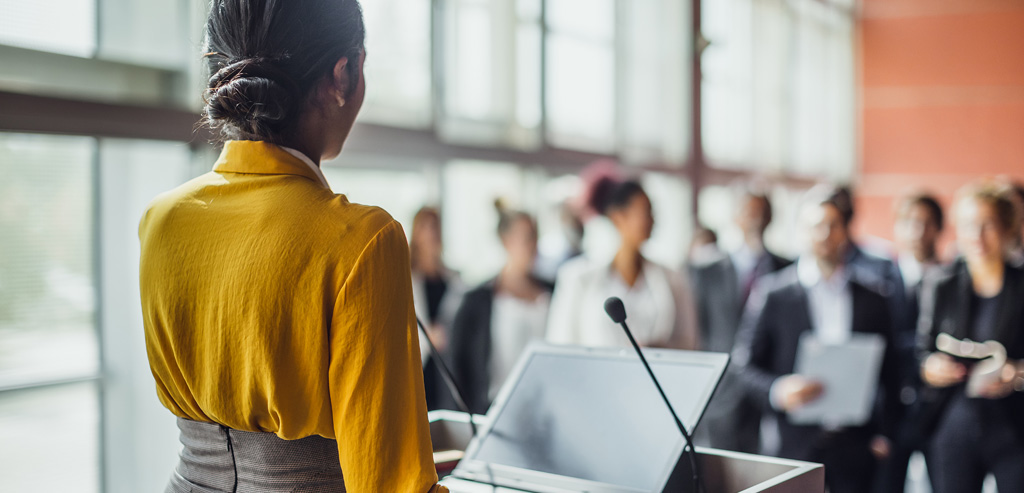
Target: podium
[723, 471]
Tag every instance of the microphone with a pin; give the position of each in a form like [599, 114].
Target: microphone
[446, 375]
[617, 312]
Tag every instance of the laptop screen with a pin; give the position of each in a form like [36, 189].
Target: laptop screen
[598, 418]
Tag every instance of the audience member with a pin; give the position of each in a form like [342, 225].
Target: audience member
[732, 421]
[919, 222]
[437, 292]
[1016, 254]
[979, 432]
[498, 319]
[560, 246]
[870, 270]
[815, 296]
[658, 299]
[704, 248]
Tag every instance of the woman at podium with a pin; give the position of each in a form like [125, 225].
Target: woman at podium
[976, 421]
[278, 316]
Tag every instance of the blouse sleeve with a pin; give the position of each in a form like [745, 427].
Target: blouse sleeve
[375, 378]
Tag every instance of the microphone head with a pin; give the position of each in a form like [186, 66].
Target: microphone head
[615, 309]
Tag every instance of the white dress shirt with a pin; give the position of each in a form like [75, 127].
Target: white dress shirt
[830, 301]
[744, 261]
[309, 162]
[830, 306]
[515, 323]
[659, 306]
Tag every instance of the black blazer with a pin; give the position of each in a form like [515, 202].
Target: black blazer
[769, 344]
[470, 344]
[720, 298]
[946, 307]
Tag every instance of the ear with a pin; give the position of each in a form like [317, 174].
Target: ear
[340, 84]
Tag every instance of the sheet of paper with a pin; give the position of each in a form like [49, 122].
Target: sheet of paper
[849, 372]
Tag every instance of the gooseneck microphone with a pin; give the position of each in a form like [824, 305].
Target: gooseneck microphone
[446, 375]
[617, 312]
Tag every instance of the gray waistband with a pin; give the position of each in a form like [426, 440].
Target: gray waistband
[217, 459]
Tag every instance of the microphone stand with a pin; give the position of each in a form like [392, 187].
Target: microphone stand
[446, 375]
[614, 311]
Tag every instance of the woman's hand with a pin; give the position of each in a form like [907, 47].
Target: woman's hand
[940, 370]
[1002, 386]
[881, 447]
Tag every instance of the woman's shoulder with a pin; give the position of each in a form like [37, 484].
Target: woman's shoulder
[945, 275]
[352, 217]
[180, 199]
[353, 231]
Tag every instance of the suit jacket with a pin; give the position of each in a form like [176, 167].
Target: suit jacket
[882, 275]
[720, 298]
[769, 343]
[470, 344]
[946, 307]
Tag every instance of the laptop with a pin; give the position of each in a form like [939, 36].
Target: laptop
[576, 419]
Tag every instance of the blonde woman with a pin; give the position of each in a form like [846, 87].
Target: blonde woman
[978, 298]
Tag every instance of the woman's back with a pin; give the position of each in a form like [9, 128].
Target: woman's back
[272, 304]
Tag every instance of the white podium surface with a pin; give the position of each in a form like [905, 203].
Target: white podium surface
[723, 471]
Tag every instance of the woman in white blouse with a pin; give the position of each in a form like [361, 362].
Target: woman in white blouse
[659, 303]
[500, 318]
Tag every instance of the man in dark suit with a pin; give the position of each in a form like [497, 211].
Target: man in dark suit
[919, 222]
[733, 420]
[816, 296]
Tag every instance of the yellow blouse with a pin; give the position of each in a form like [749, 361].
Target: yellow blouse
[272, 304]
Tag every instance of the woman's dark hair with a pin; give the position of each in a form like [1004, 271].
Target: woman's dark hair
[609, 195]
[508, 217]
[266, 57]
[928, 201]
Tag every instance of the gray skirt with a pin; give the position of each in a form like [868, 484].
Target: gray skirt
[218, 459]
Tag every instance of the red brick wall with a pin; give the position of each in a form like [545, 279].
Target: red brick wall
[941, 99]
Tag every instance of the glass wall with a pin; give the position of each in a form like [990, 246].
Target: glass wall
[48, 313]
[778, 86]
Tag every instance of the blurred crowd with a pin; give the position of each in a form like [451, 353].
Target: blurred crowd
[756, 305]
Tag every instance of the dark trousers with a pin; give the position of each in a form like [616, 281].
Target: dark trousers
[849, 465]
[437, 393]
[731, 422]
[970, 444]
[892, 472]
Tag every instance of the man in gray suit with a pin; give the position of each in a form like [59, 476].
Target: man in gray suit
[732, 421]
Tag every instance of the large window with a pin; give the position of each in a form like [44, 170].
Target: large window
[59, 26]
[654, 47]
[777, 89]
[48, 333]
[398, 62]
[581, 68]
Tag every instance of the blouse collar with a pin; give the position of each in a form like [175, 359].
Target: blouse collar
[264, 158]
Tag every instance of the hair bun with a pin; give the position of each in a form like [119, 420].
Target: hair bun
[601, 193]
[250, 98]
